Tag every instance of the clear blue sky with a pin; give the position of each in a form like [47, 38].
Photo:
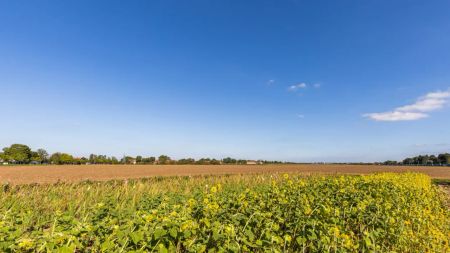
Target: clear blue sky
[286, 80]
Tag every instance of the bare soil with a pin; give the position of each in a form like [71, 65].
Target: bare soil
[74, 173]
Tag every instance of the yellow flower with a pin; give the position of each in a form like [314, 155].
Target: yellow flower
[335, 231]
[287, 238]
[26, 244]
[191, 202]
[148, 217]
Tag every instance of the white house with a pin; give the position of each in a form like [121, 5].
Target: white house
[253, 162]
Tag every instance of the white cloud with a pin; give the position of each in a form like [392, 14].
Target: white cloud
[270, 82]
[316, 85]
[395, 116]
[430, 102]
[419, 110]
[296, 87]
[301, 116]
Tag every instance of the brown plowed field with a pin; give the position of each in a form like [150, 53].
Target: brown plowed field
[72, 173]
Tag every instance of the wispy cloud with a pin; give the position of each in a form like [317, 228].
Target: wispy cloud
[297, 87]
[396, 116]
[270, 82]
[316, 85]
[419, 110]
[301, 116]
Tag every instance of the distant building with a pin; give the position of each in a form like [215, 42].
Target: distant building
[253, 162]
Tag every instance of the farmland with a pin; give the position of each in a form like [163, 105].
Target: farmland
[75, 173]
[269, 212]
[223, 208]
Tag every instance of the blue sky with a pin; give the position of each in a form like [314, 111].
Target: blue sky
[286, 80]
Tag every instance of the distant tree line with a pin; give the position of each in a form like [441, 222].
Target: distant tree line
[430, 160]
[22, 154]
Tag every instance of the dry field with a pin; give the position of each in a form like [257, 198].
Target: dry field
[73, 173]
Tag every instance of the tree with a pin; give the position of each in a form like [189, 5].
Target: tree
[35, 157]
[55, 158]
[433, 160]
[19, 153]
[444, 158]
[163, 159]
[4, 157]
[242, 161]
[186, 161]
[138, 159]
[92, 158]
[66, 158]
[149, 160]
[389, 162]
[61, 158]
[204, 161]
[229, 160]
[128, 160]
[215, 162]
[408, 161]
[114, 160]
[83, 160]
[43, 155]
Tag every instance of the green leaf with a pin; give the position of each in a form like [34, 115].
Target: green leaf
[159, 233]
[136, 237]
[173, 232]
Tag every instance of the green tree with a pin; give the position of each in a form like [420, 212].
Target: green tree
[92, 158]
[215, 162]
[204, 161]
[444, 158]
[241, 161]
[114, 160]
[163, 159]
[138, 159]
[186, 161]
[43, 155]
[66, 158]
[61, 158]
[18, 152]
[149, 160]
[408, 161]
[35, 157]
[83, 160]
[4, 157]
[128, 160]
[389, 162]
[55, 158]
[229, 160]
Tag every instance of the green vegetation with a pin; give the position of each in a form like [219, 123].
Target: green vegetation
[439, 181]
[427, 160]
[22, 154]
[259, 213]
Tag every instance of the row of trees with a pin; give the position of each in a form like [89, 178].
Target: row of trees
[22, 154]
[441, 159]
